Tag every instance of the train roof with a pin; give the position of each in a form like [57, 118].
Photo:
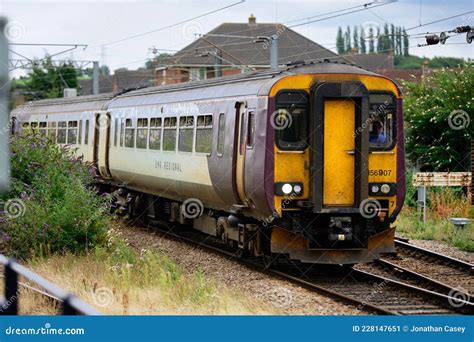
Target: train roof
[256, 83]
[71, 104]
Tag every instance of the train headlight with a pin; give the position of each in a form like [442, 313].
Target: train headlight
[287, 188]
[375, 189]
[385, 189]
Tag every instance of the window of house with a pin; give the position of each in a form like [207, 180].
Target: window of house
[142, 132]
[204, 134]
[129, 133]
[221, 135]
[62, 131]
[155, 134]
[86, 133]
[72, 132]
[169, 134]
[186, 130]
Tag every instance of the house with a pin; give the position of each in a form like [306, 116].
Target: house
[233, 48]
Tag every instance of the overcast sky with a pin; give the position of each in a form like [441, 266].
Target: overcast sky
[98, 23]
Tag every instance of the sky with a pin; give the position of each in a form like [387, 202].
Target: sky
[99, 23]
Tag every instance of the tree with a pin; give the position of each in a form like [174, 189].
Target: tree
[363, 48]
[347, 40]
[438, 113]
[49, 81]
[406, 43]
[392, 37]
[371, 40]
[104, 70]
[340, 41]
[356, 40]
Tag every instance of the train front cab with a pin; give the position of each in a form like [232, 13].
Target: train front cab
[338, 167]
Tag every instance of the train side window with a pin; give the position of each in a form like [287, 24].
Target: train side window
[86, 133]
[42, 128]
[204, 134]
[251, 130]
[129, 133]
[72, 132]
[154, 142]
[25, 126]
[52, 131]
[80, 133]
[382, 121]
[291, 120]
[142, 133]
[122, 131]
[186, 132]
[34, 127]
[169, 134]
[116, 125]
[221, 135]
[62, 131]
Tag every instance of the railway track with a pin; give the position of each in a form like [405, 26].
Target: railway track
[366, 289]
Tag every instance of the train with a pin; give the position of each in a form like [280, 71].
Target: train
[304, 163]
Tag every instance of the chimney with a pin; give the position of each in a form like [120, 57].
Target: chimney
[252, 20]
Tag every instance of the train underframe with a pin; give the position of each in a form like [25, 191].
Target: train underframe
[308, 238]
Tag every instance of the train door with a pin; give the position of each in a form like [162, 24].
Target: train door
[340, 146]
[240, 150]
[102, 142]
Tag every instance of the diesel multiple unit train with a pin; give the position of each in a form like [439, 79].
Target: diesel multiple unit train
[306, 162]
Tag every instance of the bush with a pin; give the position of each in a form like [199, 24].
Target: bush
[438, 113]
[50, 209]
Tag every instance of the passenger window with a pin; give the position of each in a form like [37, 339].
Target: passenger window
[204, 134]
[221, 136]
[80, 132]
[290, 120]
[42, 128]
[122, 131]
[155, 134]
[186, 130]
[52, 131]
[116, 126]
[250, 130]
[72, 132]
[142, 133]
[169, 134]
[25, 126]
[129, 133]
[381, 121]
[86, 133]
[34, 127]
[62, 131]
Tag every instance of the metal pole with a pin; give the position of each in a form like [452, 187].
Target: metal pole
[217, 64]
[4, 113]
[95, 78]
[274, 52]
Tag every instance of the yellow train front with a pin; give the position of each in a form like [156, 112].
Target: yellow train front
[339, 178]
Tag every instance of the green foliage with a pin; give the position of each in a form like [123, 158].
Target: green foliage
[59, 213]
[431, 140]
[49, 81]
[415, 62]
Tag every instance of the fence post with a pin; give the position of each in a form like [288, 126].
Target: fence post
[421, 202]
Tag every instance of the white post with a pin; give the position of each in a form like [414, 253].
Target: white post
[4, 113]
[422, 202]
